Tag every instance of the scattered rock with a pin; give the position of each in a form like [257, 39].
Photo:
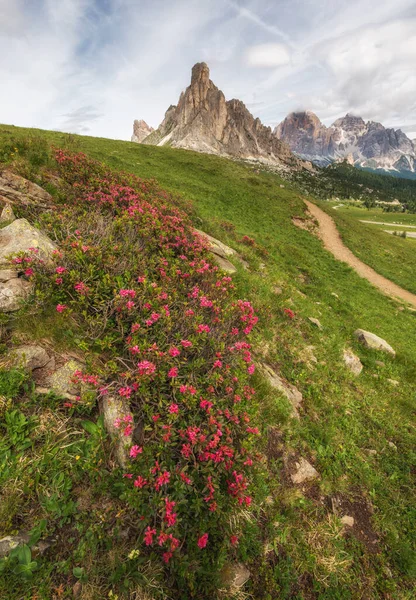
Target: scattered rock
[373, 341]
[394, 382]
[393, 445]
[234, 575]
[19, 236]
[352, 362]
[61, 382]
[222, 252]
[315, 322]
[347, 520]
[19, 190]
[277, 290]
[112, 409]
[7, 274]
[371, 452]
[304, 472]
[380, 363]
[7, 214]
[10, 542]
[335, 295]
[12, 292]
[44, 390]
[30, 357]
[287, 389]
[307, 356]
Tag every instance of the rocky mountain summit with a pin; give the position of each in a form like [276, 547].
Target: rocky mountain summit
[140, 130]
[205, 121]
[364, 144]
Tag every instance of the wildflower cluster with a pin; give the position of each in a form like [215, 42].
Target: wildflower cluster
[139, 281]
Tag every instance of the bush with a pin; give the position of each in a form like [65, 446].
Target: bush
[168, 336]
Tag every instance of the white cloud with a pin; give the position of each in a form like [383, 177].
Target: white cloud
[267, 55]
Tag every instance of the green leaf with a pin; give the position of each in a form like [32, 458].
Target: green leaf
[24, 555]
[36, 533]
[89, 427]
[78, 572]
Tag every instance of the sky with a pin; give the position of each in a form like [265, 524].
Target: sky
[93, 66]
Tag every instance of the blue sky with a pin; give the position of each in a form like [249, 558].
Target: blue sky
[93, 66]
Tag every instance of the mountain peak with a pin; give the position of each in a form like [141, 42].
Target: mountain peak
[140, 130]
[204, 121]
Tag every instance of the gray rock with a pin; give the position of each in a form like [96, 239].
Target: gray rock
[61, 382]
[19, 190]
[287, 389]
[12, 293]
[234, 575]
[222, 252]
[30, 357]
[7, 214]
[352, 362]
[112, 409]
[394, 382]
[304, 472]
[7, 274]
[19, 236]
[315, 322]
[140, 131]
[347, 520]
[373, 341]
[10, 542]
[380, 363]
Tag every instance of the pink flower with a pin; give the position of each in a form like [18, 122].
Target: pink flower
[141, 279]
[203, 541]
[163, 479]
[58, 280]
[203, 328]
[173, 408]
[174, 351]
[251, 369]
[167, 556]
[61, 307]
[135, 451]
[29, 272]
[173, 372]
[128, 430]
[140, 482]
[129, 304]
[155, 418]
[148, 536]
[217, 364]
[127, 293]
[186, 343]
[289, 313]
[60, 270]
[146, 367]
[81, 288]
[233, 540]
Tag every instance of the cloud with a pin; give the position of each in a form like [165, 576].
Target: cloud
[80, 119]
[267, 55]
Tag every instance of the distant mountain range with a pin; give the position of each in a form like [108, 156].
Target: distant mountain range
[368, 145]
[203, 120]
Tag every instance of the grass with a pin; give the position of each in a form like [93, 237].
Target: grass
[357, 432]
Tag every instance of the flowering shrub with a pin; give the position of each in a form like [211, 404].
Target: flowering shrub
[172, 340]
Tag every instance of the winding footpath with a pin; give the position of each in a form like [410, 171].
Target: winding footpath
[332, 242]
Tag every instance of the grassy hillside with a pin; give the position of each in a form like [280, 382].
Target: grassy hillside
[357, 432]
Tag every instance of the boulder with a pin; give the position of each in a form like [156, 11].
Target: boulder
[61, 382]
[287, 389]
[112, 409]
[7, 274]
[352, 362]
[19, 236]
[234, 575]
[7, 214]
[30, 357]
[19, 190]
[10, 542]
[12, 293]
[315, 322]
[222, 252]
[304, 472]
[373, 341]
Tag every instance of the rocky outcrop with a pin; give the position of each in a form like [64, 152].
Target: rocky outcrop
[373, 341]
[205, 121]
[303, 472]
[13, 292]
[113, 410]
[7, 214]
[30, 357]
[221, 253]
[349, 138]
[140, 131]
[18, 190]
[352, 362]
[20, 236]
[290, 392]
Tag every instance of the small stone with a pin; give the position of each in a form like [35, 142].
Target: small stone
[394, 382]
[380, 363]
[347, 520]
[304, 472]
[282, 186]
[373, 341]
[315, 322]
[113, 409]
[352, 362]
[372, 452]
[277, 290]
[12, 293]
[30, 357]
[7, 214]
[234, 575]
[392, 445]
[61, 382]
[335, 295]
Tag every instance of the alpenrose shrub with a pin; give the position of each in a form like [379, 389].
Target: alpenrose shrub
[172, 339]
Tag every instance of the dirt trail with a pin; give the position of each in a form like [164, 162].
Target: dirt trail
[332, 242]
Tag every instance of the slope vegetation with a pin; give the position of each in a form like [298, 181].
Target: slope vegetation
[346, 532]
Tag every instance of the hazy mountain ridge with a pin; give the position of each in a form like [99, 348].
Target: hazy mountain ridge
[365, 144]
